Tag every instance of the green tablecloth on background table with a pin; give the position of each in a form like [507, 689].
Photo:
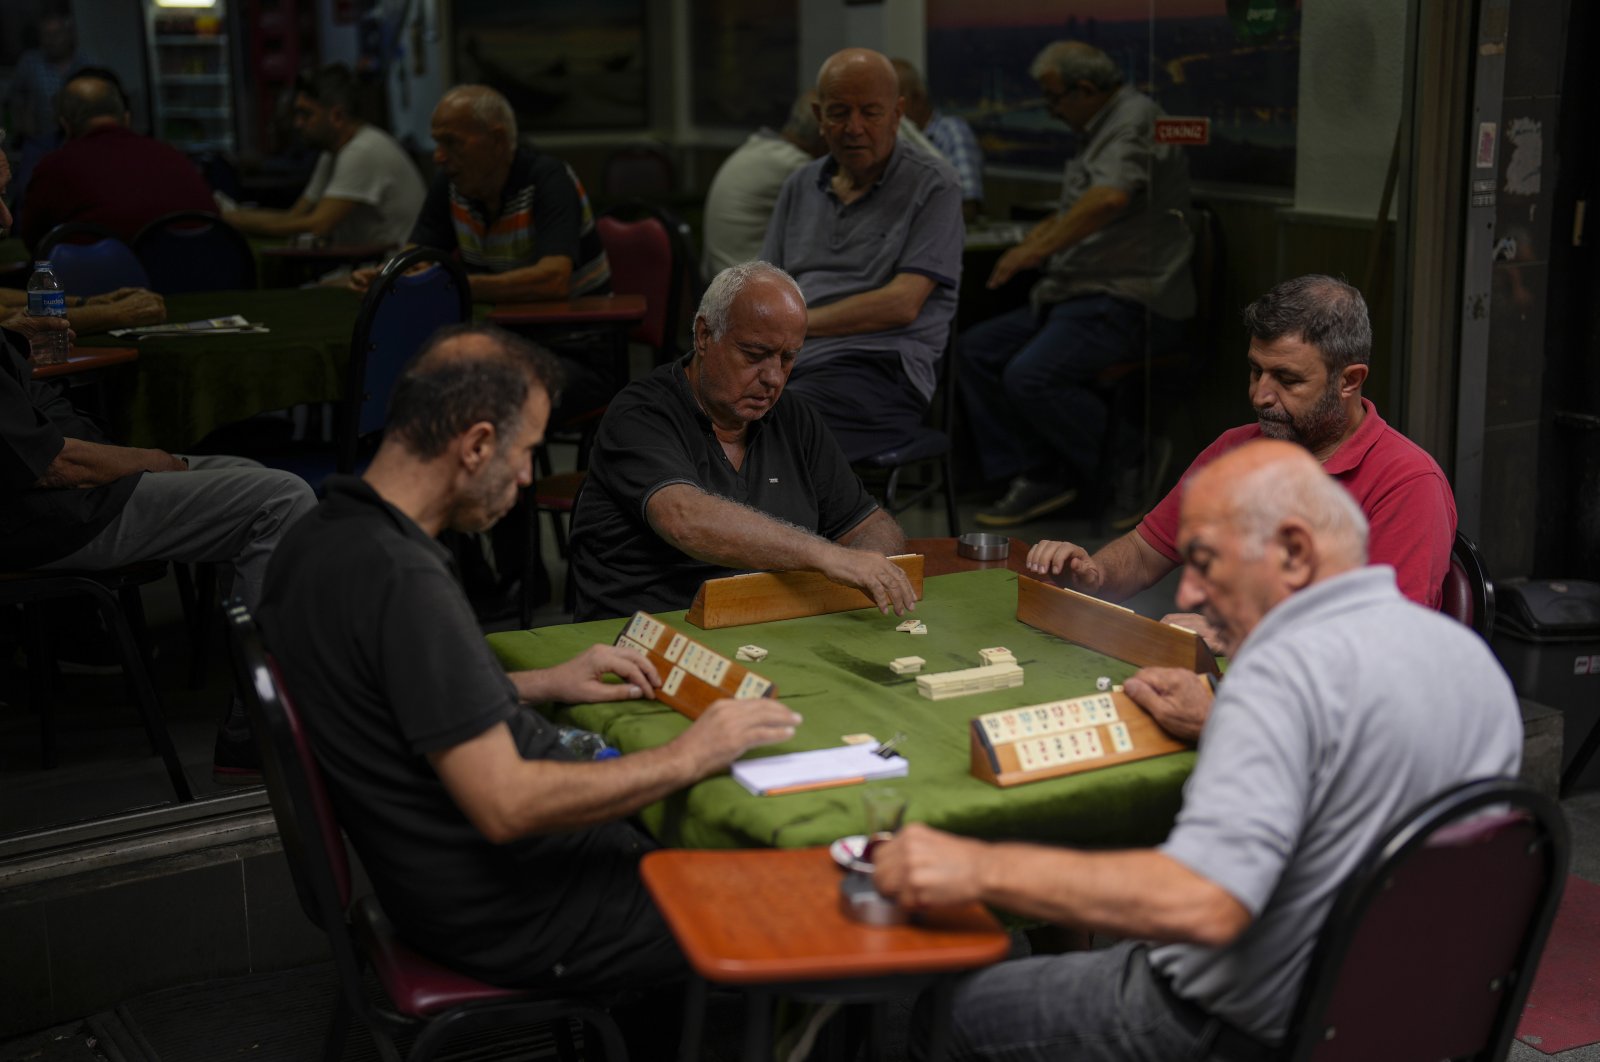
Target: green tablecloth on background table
[183, 387]
[834, 671]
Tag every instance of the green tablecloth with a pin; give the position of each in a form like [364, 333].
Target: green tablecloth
[183, 387]
[834, 671]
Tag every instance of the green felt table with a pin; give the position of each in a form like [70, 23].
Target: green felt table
[183, 387]
[834, 671]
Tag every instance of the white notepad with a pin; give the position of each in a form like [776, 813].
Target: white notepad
[817, 769]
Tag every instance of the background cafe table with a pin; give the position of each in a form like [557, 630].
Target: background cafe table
[834, 671]
[183, 387]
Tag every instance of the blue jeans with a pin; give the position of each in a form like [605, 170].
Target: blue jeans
[1084, 1006]
[1026, 382]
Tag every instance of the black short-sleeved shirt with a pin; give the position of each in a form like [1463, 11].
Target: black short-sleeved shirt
[42, 524]
[654, 435]
[543, 211]
[380, 651]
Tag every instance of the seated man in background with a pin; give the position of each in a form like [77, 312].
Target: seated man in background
[873, 234]
[1116, 284]
[1310, 348]
[106, 174]
[704, 468]
[364, 190]
[741, 197]
[521, 224]
[69, 499]
[490, 852]
[1308, 760]
[949, 134]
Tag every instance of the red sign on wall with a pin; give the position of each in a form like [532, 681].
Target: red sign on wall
[1193, 131]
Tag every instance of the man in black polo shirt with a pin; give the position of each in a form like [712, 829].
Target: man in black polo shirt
[700, 470]
[487, 851]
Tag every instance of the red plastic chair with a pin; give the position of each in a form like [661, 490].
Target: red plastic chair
[644, 262]
[430, 1000]
[1432, 944]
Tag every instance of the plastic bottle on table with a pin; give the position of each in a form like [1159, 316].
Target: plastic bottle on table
[47, 298]
[585, 744]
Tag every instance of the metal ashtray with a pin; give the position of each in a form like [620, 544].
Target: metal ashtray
[979, 546]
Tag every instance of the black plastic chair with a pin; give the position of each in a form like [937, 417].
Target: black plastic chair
[1468, 591]
[115, 595]
[191, 250]
[89, 260]
[424, 998]
[399, 313]
[1432, 944]
[930, 444]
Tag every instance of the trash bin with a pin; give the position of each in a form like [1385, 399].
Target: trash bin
[1547, 636]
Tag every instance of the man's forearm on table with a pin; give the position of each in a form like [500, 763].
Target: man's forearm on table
[545, 280]
[1130, 565]
[1096, 208]
[718, 531]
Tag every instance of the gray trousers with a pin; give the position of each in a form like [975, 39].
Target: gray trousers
[224, 509]
[1084, 1006]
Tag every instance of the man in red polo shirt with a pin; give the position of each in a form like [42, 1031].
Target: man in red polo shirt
[1310, 345]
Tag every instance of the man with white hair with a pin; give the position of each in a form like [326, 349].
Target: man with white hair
[1116, 284]
[1318, 745]
[704, 468]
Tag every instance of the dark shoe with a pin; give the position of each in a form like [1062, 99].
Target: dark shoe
[1026, 500]
[235, 762]
[1137, 488]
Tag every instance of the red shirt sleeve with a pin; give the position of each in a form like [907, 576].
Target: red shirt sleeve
[1413, 527]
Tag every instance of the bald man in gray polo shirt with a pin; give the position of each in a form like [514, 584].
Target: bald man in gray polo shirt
[873, 235]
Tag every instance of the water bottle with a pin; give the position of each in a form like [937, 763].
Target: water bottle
[584, 744]
[47, 298]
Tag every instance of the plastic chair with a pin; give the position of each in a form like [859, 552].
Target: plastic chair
[649, 256]
[931, 443]
[89, 260]
[115, 594]
[1468, 591]
[398, 315]
[423, 997]
[1432, 944]
[191, 250]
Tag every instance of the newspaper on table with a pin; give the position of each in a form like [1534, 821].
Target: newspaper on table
[232, 325]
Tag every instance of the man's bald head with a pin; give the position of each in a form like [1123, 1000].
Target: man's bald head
[859, 108]
[1260, 524]
[914, 90]
[464, 375]
[1266, 483]
[481, 105]
[91, 99]
[853, 64]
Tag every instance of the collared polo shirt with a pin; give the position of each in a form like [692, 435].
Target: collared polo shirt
[543, 211]
[908, 222]
[1402, 490]
[654, 435]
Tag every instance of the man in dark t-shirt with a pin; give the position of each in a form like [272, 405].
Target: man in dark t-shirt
[703, 469]
[488, 852]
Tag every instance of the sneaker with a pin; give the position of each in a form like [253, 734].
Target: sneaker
[235, 762]
[1025, 500]
[1138, 487]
